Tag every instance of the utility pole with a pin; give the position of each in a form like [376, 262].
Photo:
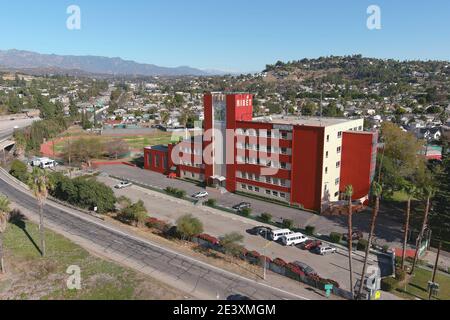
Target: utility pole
[435, 269]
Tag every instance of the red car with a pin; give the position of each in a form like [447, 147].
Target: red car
[311, 244]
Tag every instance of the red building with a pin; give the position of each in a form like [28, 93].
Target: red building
[297, 160]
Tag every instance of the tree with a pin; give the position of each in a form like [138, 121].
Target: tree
[349, 194]
[188, 226]
[410, 190]
[19, 170]
[232, 243]
[83, 150]
[4, 213]
[440, 217]
[165, 117]
[135, 213]
[428, 193]
[309, 109]
[376, 191]
[39, 184]
[117, 148]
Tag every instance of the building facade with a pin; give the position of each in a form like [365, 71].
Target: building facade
[298, 160]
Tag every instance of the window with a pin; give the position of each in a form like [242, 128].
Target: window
[328, 138]
[275, 193]
[283, 195]
[193, 175]
[250, 188]
[283, 151]
[283, 165]
[268, 192]
[284, 135]
[283, 183]
[243, 186]
[268, 180]
[326, 170]
[360, 128]
[256, 189]
[339, 134]
[338, 164]
[339, 149]
[337, 181]
[336, 194]
[326, 155]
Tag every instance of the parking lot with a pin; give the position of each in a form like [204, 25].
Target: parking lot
[388, 229]
[218, 223]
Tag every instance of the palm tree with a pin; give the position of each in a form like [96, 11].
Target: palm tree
[39, 184]
[376, 190]
[428, 192]
[410, 190]
[4, 212]
[349, 194]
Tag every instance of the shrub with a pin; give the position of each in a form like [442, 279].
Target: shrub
[133, 214]
[310, 230]
[385, 248]
[335, 237]
[288, 224]
[388, 284]
[246, 212]
[280, 262]
[176, 192]
[19, 171]
[400, 274]
[211, 202]
[188, 226]
[266, 217]
[232, 243]
[362, 245]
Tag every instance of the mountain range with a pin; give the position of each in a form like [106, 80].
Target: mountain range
[78, 65]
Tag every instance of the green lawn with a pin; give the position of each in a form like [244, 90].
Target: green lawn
[32, 277]
[418, 286]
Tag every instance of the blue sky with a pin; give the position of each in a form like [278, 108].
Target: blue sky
[232, 35]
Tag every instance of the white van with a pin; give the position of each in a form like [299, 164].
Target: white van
[293, 239]
[275, 235]
[48, 164]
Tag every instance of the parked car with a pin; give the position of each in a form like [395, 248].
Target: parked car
[325, 250]
[305, 268]
[123, 185]
[241, 206]
[356, 235]
[200, 195]
[276, 235]
[310, 244]
[260, 230]
[293, 239]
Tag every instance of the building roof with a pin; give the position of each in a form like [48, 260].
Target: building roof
[304, 121]
[158, 148]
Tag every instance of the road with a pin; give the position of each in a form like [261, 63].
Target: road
[197, 278]
[218, 223]
[388, 229]
[7, 126]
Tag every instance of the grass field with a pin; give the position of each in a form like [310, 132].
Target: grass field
[32, 277]
[418, 286]
[135, 142]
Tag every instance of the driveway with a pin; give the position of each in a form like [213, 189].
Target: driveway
[388, 229]
[219, 223]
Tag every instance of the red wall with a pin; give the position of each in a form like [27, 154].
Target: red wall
[150, 160]
[358, 162]
[307, 166]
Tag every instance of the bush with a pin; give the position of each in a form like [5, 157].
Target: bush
[211, 202]
[400, 274]
[176, 192]
[310, 230]
[288, 224]
[385, 248]
[335, 237]
[246, 212]
[388, 284]
[133, 214]
[266, 217]
[188, 226]
[232, 243]
[362, 245]
[19, 171]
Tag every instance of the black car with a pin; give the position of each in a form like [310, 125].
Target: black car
[305, 268]
[260, 230]
[241, 206]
